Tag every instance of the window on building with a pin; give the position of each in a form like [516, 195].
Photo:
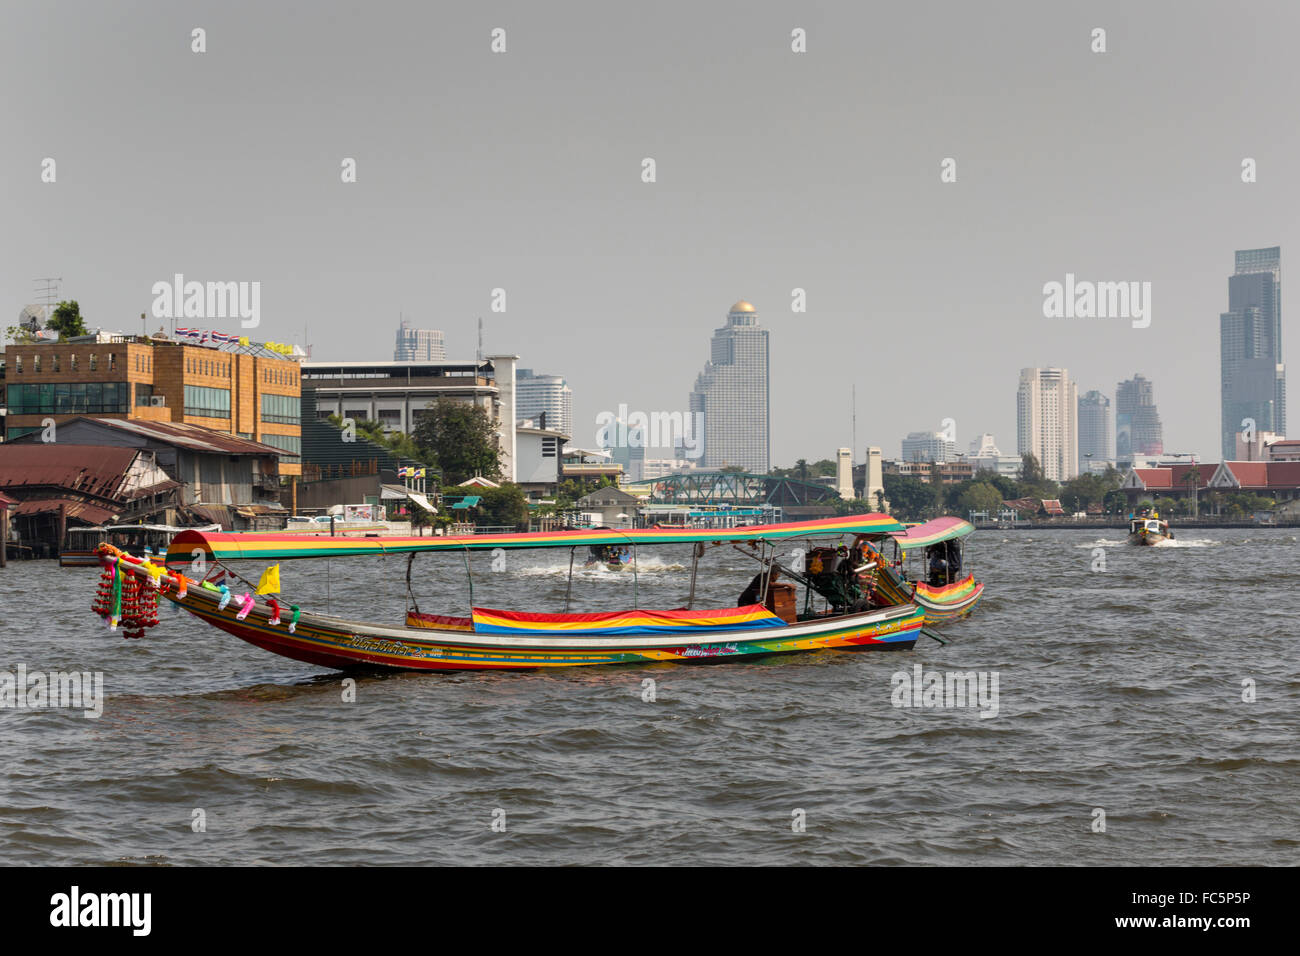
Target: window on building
[281, 409]
[143, 393]
[72, 361]
[291, 444]
[36, 363]
[204, 402]
[112, 361]
[94, 361]
[54, 361]
[90, 398]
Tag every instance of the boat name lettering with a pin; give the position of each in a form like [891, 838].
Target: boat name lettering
[710, 650]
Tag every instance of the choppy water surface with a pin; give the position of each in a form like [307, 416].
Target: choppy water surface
[1120, 690]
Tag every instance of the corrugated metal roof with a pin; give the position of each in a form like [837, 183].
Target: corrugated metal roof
[90, 469]
[76, 510]
[193, 437]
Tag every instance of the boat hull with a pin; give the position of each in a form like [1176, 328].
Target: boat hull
[78, 559]
[1147, 539]
[340, 644]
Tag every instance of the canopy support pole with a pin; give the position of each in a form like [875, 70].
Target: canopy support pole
[569, 590]
[410, 560]
[634, 581]
[696, 550]
[469, 574]
[767, 570]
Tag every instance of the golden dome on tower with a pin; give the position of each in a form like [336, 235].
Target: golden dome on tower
[743, 306]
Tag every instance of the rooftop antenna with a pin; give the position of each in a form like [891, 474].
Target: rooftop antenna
[47, 291]
[480, 338]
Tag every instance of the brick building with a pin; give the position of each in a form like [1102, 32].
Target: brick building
[245, 391]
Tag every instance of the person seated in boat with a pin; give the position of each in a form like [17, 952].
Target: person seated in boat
[954, 559]
[938, 567]
[753, 593]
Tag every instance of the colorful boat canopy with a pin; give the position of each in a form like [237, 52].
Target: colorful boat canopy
[274, 545]
[492, 621]
[932, 532]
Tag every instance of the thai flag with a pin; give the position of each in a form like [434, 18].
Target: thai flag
[189, 333]
[222, 337]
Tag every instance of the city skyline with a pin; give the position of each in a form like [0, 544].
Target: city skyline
[896, 265]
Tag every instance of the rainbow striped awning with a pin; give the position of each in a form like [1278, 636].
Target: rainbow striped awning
[753, 616]
[276, 545]
[932, 532]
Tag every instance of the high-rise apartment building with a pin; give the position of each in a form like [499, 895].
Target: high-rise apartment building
[419, 345]
[539, 395]
[1047, 416]
[928, 446]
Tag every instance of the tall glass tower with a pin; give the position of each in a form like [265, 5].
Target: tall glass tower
[732, 394]
[1096, 430]
[1252, 374]
[1138, 430]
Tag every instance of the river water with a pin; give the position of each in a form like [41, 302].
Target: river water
[1121, 735]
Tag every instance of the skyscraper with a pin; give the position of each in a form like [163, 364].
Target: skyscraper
[732, 395]
[1096, 430]
[1137, 422]
[1252, 374]
[1047, 420]
[549, 395]
[419, 345]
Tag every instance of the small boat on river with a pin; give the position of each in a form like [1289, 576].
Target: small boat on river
[764, 621]
[1148, 529]
[138, 539]
[929, 566]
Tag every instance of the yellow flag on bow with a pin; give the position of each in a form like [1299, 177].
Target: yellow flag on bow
[269, 582]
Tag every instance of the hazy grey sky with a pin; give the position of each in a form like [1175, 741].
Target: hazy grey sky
[775, 170]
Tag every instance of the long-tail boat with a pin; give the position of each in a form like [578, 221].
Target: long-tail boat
[938, 581]
[763, 622]
[1148, 529]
